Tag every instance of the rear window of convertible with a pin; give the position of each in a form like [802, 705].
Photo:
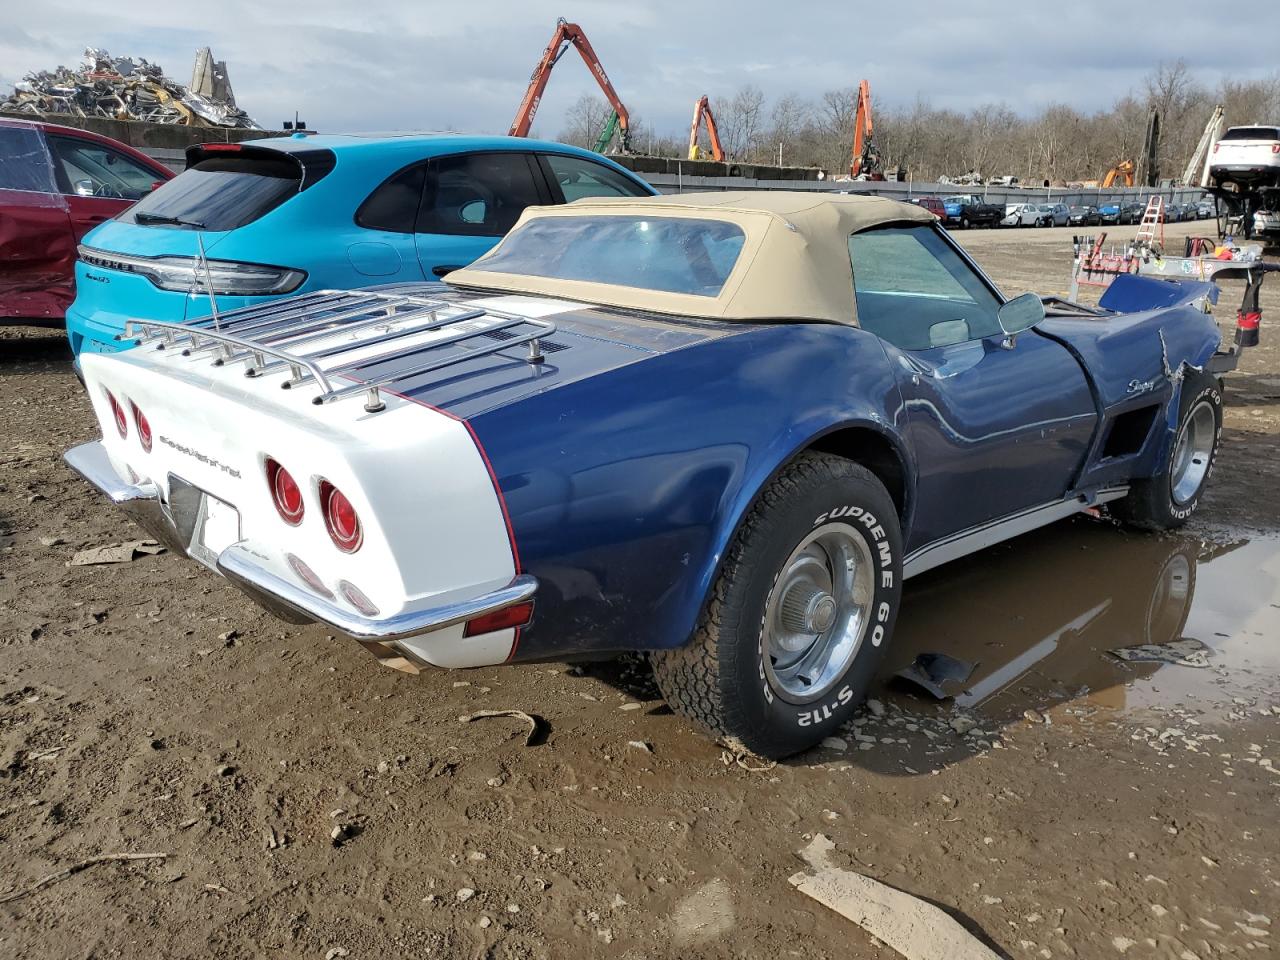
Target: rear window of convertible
[671, 254]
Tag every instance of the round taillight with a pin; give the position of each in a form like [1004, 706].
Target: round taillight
[144, 428]
[285, 493]
[117, 411]
[340, 518]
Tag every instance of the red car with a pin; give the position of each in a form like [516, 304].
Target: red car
[56, 184]
[932, 204]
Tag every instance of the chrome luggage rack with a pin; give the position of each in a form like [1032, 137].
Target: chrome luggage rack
[272, 336]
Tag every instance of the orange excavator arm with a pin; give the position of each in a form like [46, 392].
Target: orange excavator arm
[866, 158]
[702, 111]
[1124, 169]
[566, 35]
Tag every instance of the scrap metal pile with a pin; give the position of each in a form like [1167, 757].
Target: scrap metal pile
[121, 88]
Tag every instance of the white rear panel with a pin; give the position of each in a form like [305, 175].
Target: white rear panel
[433, 522]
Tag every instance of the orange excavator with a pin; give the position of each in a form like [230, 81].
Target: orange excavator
[702, 111]
[866, 158]
[567, 35]
[1121, 171]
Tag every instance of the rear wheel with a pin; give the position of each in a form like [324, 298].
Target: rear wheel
[1168, 499]
[800, 615]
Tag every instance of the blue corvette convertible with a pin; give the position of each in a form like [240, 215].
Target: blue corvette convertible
[721, 428]
[293, 214]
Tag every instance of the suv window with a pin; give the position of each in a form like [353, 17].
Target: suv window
[24, 165]
[914, 291]
[578, 178]
[477, 194]
[1252, 133]
[222, 193]
[88, 169]
[394, 204]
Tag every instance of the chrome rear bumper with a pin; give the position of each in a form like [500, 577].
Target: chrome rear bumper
[238, 563]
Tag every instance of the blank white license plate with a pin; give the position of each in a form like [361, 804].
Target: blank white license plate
[218, 528]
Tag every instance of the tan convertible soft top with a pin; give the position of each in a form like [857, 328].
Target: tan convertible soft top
[794, 264]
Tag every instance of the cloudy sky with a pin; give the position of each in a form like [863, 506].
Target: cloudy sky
[425, 64]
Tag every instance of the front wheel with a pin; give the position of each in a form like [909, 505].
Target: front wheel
[964, 223]
[800, 615]
[1168, 499]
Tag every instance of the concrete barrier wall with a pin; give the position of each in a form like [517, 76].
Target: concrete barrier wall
[680, 183]
[167, 143]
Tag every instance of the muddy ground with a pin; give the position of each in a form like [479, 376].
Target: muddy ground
[1096, 808]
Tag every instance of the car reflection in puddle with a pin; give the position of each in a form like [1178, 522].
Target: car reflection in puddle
[1038, 616]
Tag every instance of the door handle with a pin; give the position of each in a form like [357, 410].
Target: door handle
[98, 219]
[444, 268]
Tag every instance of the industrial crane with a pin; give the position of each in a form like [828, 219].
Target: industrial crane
[866, 158]
[1197, 172]
[702, 111]
[567, 35]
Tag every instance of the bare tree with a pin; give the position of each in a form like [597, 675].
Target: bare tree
[584, 121]
[1058, 143]
[740, 121]
[789, 117]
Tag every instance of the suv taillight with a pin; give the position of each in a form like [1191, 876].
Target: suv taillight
[144, 428]
[117, 411]
[340, 518]
[285, 492]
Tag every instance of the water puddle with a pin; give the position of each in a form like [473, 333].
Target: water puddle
[1039, 614]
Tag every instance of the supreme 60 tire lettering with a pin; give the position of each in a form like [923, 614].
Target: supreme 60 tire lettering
[800, 615]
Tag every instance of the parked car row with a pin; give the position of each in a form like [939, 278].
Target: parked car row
[359, 210]
[1192, 210]
[356, 211]
[1087, 215]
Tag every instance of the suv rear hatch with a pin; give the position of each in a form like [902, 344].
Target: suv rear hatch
[1246, 150]
[148, 255]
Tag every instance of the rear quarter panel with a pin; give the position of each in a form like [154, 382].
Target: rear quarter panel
[625, 490]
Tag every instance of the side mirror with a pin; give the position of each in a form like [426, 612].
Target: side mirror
[1020, 313]
[84, 188]
[156, 185]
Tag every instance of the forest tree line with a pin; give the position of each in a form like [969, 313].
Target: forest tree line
[1059, 143]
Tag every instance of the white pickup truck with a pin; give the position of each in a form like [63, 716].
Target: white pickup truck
[1247, 155]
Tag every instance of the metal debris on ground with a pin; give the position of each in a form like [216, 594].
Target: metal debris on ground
[930, 671]
[122, 553]
[1186, 652]
[914, 928]
[536, 723]
[121, 88]
[747, 761]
